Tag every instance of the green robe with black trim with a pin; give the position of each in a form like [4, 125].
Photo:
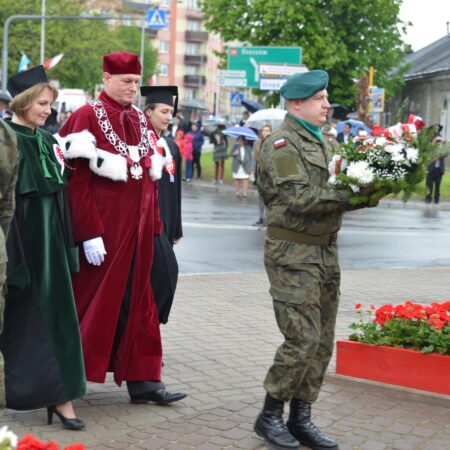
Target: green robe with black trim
[41, 339]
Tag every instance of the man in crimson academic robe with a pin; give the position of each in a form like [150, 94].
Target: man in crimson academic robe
[115, 217]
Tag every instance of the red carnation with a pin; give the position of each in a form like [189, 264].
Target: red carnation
[29, 442]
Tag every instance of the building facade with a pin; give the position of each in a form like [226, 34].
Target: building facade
[187, 54]
[427, 85]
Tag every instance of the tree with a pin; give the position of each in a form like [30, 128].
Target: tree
[83, 42]
[341, 36]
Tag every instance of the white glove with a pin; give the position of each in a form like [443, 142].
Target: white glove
[94, 250]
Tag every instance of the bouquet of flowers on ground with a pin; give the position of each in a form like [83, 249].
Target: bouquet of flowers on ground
[425, 328]
[392, 162]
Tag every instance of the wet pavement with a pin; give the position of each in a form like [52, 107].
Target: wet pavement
[220, 341]
[219, 236]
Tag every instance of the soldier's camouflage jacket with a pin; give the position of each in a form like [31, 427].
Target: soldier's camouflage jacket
[8, 176]
[292, 179]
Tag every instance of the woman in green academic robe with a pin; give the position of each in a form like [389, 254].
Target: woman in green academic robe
[41, 340]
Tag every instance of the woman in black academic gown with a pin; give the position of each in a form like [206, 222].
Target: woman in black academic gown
[41, 340]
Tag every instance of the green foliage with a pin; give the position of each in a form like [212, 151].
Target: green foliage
[341, 36]
[83, 42]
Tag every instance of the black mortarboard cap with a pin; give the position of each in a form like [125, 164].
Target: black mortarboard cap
[161, 94]
[24, 80]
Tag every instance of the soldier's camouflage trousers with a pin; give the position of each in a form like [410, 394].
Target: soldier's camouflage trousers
[306, 315]
[2, 308]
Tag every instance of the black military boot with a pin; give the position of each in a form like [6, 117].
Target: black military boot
[270, 425]
[301, 427]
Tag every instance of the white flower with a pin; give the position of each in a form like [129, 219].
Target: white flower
[412, 154]
[8, 436]
[380, 141]
[354, 188]
[361, 171]
[396, 151]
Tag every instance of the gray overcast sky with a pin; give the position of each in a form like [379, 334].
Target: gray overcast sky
[429, 19]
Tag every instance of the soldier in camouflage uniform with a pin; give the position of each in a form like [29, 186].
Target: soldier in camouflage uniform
[8, 177]
[301, 260]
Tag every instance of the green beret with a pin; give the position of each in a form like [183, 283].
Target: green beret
[304, 85]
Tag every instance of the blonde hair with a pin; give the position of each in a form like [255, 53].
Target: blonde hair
[22, 102]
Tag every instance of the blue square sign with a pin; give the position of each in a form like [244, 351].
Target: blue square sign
[236, 98]
[156, 19]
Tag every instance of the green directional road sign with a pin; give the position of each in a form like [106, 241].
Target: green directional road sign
[249, 58]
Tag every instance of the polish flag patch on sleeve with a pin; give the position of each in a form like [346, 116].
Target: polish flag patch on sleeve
[279, 143]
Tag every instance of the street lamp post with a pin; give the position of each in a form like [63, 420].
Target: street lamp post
[43, 33]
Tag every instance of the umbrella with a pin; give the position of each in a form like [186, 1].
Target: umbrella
[251, 106]
[212, 124]
[271, 116]
[339, 112]
[236, 132]
[356, 125]
[193, 104]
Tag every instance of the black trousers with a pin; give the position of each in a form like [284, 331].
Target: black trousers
[197, 155]
[134, 387]
[434, 178]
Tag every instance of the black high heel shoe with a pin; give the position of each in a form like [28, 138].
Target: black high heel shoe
[70, 424]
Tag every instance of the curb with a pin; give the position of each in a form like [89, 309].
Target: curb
[385, 204]
[398, 392]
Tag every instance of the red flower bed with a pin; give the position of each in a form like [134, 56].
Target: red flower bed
[425, 328]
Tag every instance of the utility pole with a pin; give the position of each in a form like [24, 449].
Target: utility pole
[43, 33]
[173, 42]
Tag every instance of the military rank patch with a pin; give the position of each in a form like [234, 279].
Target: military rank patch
[279, 143]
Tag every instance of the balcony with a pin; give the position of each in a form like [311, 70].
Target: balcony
[196, 36]
[193, 13]
[195, 59]
[151, 32]
[194, 80]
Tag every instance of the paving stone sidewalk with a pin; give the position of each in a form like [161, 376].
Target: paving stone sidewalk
[218, 344]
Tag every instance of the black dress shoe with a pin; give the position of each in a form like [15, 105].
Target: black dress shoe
[160, 396]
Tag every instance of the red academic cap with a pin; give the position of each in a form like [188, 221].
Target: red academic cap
[122, 63]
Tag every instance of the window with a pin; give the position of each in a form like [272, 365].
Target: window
[189, 94]
[164, 47]
[191, 70]
[192, 49]
[164, 70]
[193, 25]
[167, 27]
[165, 3]
[193, 4]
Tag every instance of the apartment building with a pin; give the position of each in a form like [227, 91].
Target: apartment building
[186, 51]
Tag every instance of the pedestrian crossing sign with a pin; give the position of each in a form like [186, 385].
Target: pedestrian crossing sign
[236, 98]
[156, 19]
